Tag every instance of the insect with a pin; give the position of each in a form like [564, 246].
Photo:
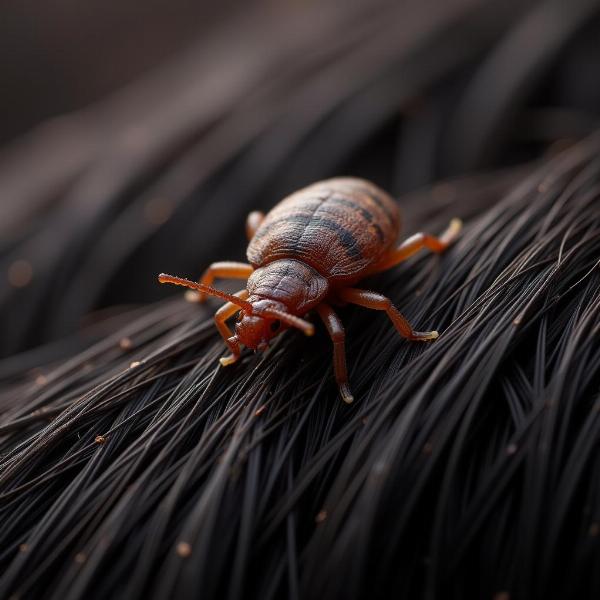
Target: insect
[306, 255]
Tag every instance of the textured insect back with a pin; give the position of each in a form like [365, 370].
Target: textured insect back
[340, 227]
[297, 285]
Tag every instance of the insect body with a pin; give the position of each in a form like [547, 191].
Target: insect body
[307, 254]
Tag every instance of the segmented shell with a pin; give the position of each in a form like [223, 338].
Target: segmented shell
[340, 227]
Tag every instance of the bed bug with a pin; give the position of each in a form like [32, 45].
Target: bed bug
[306, 255]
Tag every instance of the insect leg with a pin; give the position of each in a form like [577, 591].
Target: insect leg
[226, 311]
[225, 270]
[419, 241]
[380, 302]
[336, 331]
[255, 218]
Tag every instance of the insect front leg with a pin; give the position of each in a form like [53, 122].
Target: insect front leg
[419, 241]
[335, 328]
[225, 312]
[379, 302]
[224, 270]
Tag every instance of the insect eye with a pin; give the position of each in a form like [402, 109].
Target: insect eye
[275, 325]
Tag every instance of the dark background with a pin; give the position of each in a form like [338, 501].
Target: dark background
[136, 137]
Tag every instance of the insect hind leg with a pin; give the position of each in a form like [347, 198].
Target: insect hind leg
[419, 241]
[253, 222]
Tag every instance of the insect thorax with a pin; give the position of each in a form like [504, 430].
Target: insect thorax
[291, 282]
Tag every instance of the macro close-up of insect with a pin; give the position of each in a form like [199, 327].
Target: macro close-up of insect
[408, 191]
[306, 255]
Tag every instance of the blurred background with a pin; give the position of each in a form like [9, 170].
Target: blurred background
[136, 136]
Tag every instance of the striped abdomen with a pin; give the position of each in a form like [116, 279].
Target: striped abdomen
[340, 227]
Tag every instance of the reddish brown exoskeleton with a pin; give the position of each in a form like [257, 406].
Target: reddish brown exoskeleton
[307, 254]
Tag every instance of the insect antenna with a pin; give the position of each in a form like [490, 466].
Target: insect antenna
[206, 289]
[292, 320]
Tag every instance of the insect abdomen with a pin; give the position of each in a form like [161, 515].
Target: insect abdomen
[340, 227]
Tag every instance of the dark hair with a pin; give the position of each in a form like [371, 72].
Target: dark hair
[132, 465]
